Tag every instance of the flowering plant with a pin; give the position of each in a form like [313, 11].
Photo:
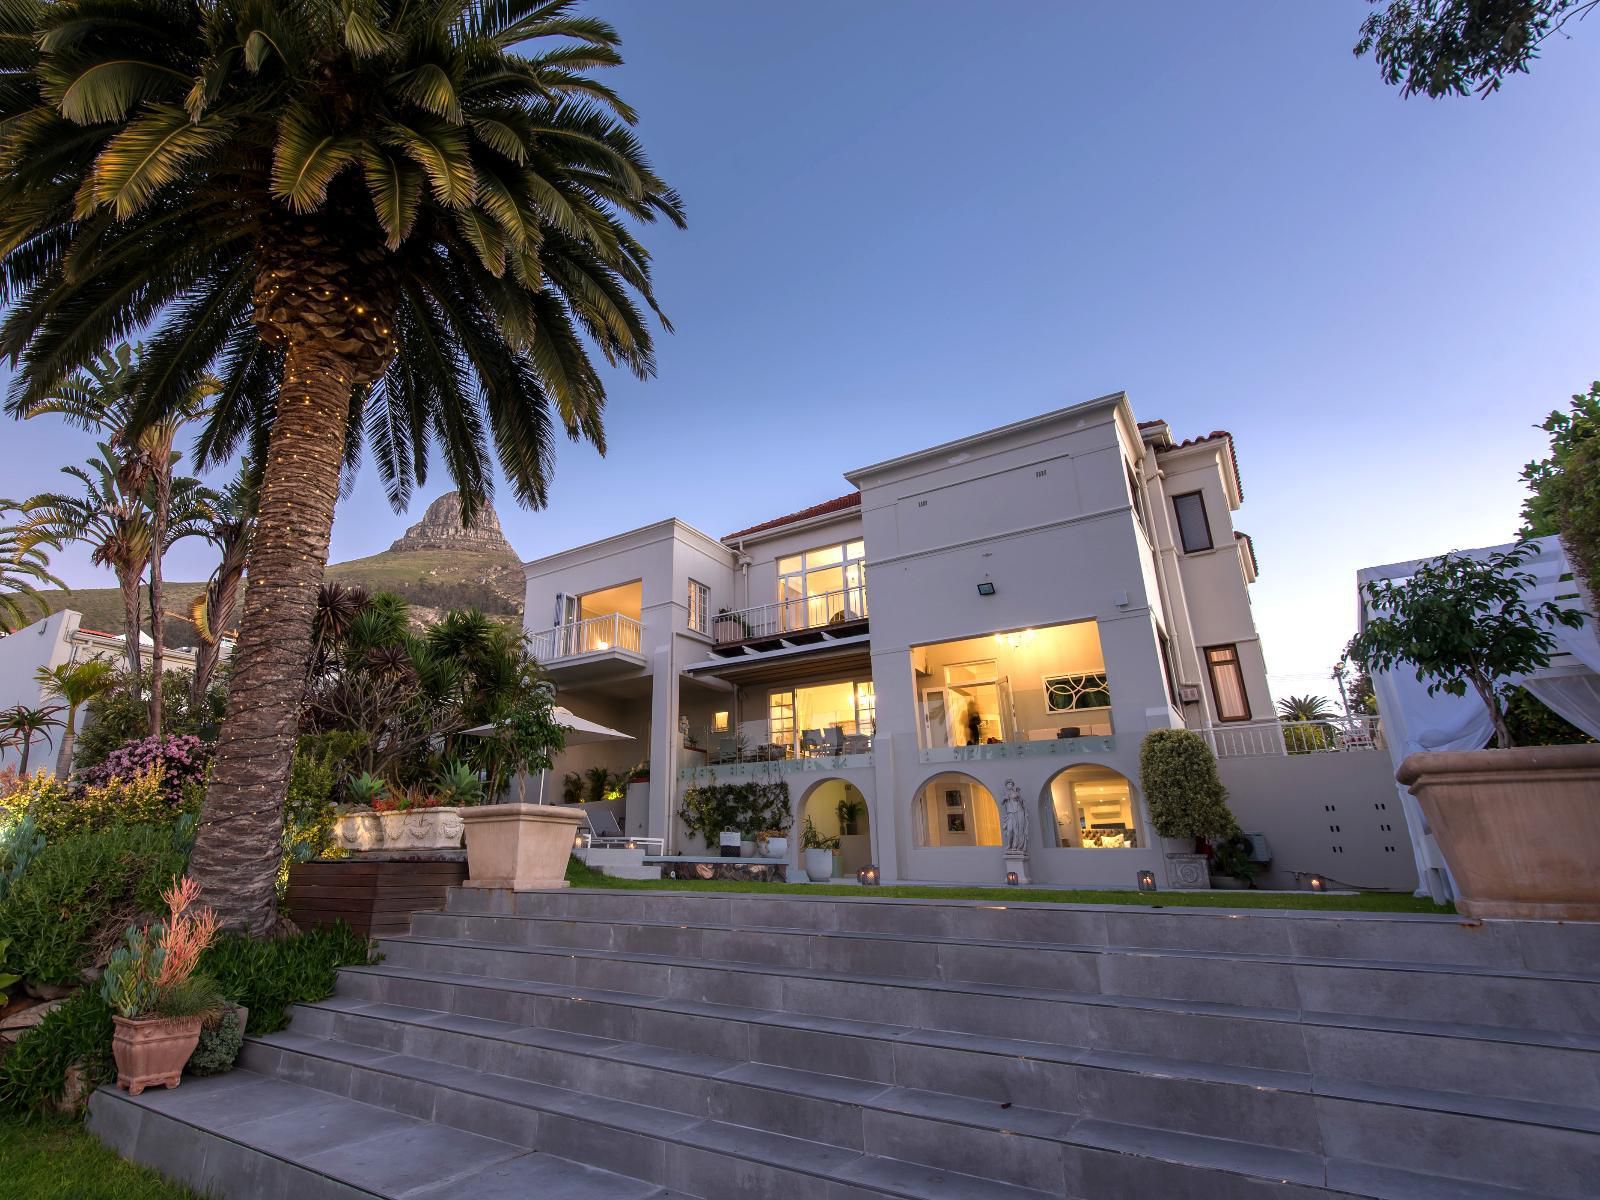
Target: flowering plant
[182, 757]
[154, 971]
[407, 800]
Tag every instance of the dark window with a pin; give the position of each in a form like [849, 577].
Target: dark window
[1227, 683]
[1194, 531]
[1138, 497]
[1166, 669]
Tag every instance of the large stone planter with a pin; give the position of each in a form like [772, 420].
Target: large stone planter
[524, 847]
[151, 1050]
[1519, 828]
[418, 829]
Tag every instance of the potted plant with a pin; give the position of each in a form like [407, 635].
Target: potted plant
[1231, 864]
[1518, 826]
[1187, 801]
[773, 843]
[523, 846]
[818, 853]
[159, 1001]
[730, 626]
[850, 810]
[412, 818]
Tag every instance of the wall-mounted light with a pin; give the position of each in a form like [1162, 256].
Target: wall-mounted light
[1012, 879]
[1318, 883]
[868, 876]
[1147, 881]
[986, 588]
[632, 845]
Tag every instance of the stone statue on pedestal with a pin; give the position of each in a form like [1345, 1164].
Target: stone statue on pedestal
[1014, 819]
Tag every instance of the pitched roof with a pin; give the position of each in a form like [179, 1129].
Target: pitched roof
[853, 500]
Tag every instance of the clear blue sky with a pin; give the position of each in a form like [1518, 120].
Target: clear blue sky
[913, 221]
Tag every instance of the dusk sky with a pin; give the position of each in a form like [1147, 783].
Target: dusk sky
[913, 221]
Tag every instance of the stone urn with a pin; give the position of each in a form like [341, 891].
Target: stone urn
[151, 1050]
[524, 847]
[413, 829]
[819, 865]
[1519, 828]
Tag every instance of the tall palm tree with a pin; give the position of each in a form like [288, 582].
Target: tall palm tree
[101, 397]
[230, 523]
[111, 519]
[1305, 708]
[391, 221]
[19, 725]
[24, 568]
[76, 684]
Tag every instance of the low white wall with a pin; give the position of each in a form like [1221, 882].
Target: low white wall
[1335, 814]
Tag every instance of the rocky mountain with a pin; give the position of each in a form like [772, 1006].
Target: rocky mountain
[437, 564]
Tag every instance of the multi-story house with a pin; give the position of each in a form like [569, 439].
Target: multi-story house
[1018, 607]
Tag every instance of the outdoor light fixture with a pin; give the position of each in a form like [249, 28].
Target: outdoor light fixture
[577, 842]
[1318, 884]
[986, 588]
[868, 875]
[1011, 878]
[1147, 881]
[632, 845]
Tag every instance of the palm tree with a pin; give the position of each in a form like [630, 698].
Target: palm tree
[19, 725]
[77, 684]
[100, 397]
[24, 567]
[1305, 708]
[112, 520]
[231, 522]
[391, 221]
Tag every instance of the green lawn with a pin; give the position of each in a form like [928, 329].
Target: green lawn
[581, 876]
[57, 1160]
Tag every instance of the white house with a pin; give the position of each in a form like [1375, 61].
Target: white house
[1021, 605]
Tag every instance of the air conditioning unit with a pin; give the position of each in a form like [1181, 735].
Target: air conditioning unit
[1189, 693]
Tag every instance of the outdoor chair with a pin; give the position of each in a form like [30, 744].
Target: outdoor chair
[606, 834]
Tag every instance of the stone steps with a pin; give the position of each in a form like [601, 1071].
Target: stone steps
[716, 1044]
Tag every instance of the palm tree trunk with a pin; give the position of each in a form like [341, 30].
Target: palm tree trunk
[238, 846]
[158, 637]
[68, 736]
[27, 747]
[131, 622]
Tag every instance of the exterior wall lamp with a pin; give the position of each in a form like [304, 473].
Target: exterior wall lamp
[986, 588]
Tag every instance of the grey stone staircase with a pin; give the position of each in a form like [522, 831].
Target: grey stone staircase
[623, 1044]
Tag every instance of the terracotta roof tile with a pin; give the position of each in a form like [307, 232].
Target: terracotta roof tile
[853, 500]
[1250, 545]
[1233, 451]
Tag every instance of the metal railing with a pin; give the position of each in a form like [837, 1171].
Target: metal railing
[757, 741]
[1266, 739]
[794, 615]
[596, 635]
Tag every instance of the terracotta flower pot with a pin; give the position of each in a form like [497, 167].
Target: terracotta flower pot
[151, 1050]
[520, 846]
[1520, 828]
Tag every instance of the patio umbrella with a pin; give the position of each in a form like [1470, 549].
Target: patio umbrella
[580, 732]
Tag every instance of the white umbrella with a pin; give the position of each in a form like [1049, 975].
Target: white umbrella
[580, 732]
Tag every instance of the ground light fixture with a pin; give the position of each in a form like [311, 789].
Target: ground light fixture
[1012, 879]
[868, 875]
[1147, 881]
[1318, 883]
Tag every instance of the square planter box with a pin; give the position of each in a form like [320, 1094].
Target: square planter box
[524, 847]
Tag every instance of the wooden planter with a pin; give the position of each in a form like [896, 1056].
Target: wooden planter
[524, 847]
[1519, 828]
[418, 829]
[152, 1050]
[372, 897]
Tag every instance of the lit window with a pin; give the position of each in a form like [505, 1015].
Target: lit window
[719, 722]
[825, 586]
[1227, 683]
[699, 607]
[1193, 528]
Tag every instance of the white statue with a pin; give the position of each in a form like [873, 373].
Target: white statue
[683, 728]
[1014, 819]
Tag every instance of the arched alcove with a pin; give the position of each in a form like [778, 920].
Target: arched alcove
[1091, 807]
[954, 810]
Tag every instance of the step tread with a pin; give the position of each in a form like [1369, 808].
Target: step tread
[893, 1096]
[1108, 948]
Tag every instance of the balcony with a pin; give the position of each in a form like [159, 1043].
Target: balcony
[754, 749]
[798, 621]
[1271, 739]
[609, 644]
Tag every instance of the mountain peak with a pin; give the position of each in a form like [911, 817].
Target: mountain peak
[442, 528]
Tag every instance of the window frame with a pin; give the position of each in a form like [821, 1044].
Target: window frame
[1238, 668]
[701, 592]
[1205, 519]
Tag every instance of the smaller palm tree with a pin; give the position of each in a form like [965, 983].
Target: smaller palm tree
[19, 725]
[24, 569]
[1306, 708]
[77, 684]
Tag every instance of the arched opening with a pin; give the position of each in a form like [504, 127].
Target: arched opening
[956, 810]
[837, 809]
[1091, 807]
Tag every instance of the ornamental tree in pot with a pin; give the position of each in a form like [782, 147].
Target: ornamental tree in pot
[1519, 827]
[159, 1001]
[1187, 801]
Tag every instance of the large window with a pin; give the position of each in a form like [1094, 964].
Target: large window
[1194, 530]
[699, 607]
[823, 586]
[1093, 809]
[1227, 683]
[823, 719]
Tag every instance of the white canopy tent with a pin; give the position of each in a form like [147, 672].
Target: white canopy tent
[1414, 720]
[580, 732]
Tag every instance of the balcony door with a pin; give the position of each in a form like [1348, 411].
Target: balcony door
[822, 586]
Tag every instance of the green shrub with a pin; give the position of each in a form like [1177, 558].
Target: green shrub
[268, 976]
[80, 893]
[34, 1075]
[751, 808]
[1179, 775]
[220, 1043]
[20, 844]
[141, 799]
[309, 811]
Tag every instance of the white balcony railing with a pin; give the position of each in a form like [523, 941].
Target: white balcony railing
[596, 635]
[1264, 739]
[795, 615]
